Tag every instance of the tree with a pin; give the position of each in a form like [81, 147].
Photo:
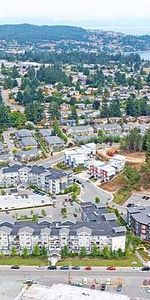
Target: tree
[134, 141]
[36, 250]
[74, 114]
[4, 116]
[43, 212]
[14, 72]
[106, 253]
[34, 112]
[64, 251]
[43, 251]
[64, 211]
[54, 111]
[83, 252]
[115, 109]
[95, 251]
[25, 252]
[17, 119]
[1, 99]
[131, 175]
[105, 107]
[97, 200]
[120, 253]
[13, 251]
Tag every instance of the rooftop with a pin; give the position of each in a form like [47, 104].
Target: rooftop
[66, 292]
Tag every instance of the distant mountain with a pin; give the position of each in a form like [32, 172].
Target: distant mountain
[33, 33]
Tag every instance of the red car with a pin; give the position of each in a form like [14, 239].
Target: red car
[111, 268]
[88, 268]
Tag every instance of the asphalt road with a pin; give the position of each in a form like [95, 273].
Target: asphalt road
[11, 281]
[90, 191]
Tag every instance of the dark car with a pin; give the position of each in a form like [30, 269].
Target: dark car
[15, 267]
[52, 268]
[111, 268]
[146, 268]
[75, 268]
[103, 287]
[64, 268]
[130, 205]
[119, 288]
[88, 268]
[145, 282]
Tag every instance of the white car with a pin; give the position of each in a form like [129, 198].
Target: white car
[108, 281]
[40, 267]
[148, 290]
[135, 269]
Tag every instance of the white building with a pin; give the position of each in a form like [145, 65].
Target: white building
[118, 162]
[97, 227]
[66, 292]
[51, 180]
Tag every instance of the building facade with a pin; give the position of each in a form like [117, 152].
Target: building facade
[97, 227]
[51, 180]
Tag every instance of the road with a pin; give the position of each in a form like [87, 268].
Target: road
[50, 161]
[132, 280]
[8, 140]
[90, 191]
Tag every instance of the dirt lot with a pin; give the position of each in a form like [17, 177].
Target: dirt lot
[113, 185]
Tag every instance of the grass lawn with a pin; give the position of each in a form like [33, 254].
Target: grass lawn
[17, 260]
[99, 262]
[121, 196]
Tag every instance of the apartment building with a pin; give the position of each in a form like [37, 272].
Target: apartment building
[138, 219]
[49, 179]
[80, 155]
[97, 227]
[102, 170]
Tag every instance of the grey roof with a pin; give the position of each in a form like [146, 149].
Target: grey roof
[45, 132]
[12, 169]
[110, 217]
[38, 170]
[23, 133]
[55, 174]
[54, 140]
[28, 141]
[140, 214]
[31, 152]
[81, 128]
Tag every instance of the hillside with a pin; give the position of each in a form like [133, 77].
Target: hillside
[33, 33]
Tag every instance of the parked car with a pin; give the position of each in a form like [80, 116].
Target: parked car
[103, 287]
[88, 268]
[148, 289]
[30, 282]
[111, 268]
[75, 268]
[52, 268]
[145, 282]
[93, 286]
[119, 288]
[64, 268]
[15, 267]
[108, 281]
[146, 268]
[40, 267]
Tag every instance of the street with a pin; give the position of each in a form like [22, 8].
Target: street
[131, 280]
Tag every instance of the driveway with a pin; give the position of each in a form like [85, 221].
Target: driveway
[8, 140]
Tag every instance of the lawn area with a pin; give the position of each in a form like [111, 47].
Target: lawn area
[121, 196]
[99, 262]
[18, 260]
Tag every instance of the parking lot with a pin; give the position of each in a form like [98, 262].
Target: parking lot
[139, 199]
[12, 281]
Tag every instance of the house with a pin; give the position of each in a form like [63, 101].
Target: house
[45, 132]
[80, 130]
[28, 155]
[54, 142]
[118, 162]
[28, 142]
[109, 129]
[23, 133]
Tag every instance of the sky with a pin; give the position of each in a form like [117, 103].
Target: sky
[87, 13]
